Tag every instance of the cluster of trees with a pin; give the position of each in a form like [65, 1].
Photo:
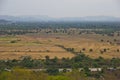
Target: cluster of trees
[61, 27]
[72, 50]
[79, 61]
[18, 73]
[52, 67]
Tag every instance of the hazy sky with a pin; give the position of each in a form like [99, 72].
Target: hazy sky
[61, 8]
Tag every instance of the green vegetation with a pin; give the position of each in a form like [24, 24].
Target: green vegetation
[52, 67]
[108, 28]
[13, 41]
[80, 61]
[23, 68]
[25, 74]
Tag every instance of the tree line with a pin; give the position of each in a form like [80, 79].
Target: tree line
[19, 68]
[21, 28]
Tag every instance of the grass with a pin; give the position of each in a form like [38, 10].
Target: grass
[43, 43]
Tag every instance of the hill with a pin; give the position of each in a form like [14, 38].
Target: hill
[65, 19]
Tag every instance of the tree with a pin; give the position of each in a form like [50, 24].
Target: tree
[118, 50]
[55, 60]
[13, 41]
[47, 57]
[115, 40]
[83, 49]
[91, 50]
[87, 71]
[52, 71]
[27, 62]
[102, 40]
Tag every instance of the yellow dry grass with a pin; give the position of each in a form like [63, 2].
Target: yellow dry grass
[39, 46]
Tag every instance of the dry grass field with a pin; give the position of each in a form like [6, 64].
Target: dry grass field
[41, 45]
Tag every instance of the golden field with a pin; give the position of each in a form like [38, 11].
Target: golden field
[40, 45]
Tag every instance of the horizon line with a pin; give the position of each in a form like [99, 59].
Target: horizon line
[61, 17]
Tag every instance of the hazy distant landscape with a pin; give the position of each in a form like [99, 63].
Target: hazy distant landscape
[91, 46]
[59, 40]
[64, 19]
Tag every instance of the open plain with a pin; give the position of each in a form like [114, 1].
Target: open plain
[40, 45]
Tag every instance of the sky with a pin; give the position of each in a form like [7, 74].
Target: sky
[60, 8]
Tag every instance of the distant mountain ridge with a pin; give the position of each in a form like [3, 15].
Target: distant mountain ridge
[2, 21]
[47, 18]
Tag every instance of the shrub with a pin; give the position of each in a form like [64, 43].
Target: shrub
[13, 41]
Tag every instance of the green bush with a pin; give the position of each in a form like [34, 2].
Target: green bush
[13, 41]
